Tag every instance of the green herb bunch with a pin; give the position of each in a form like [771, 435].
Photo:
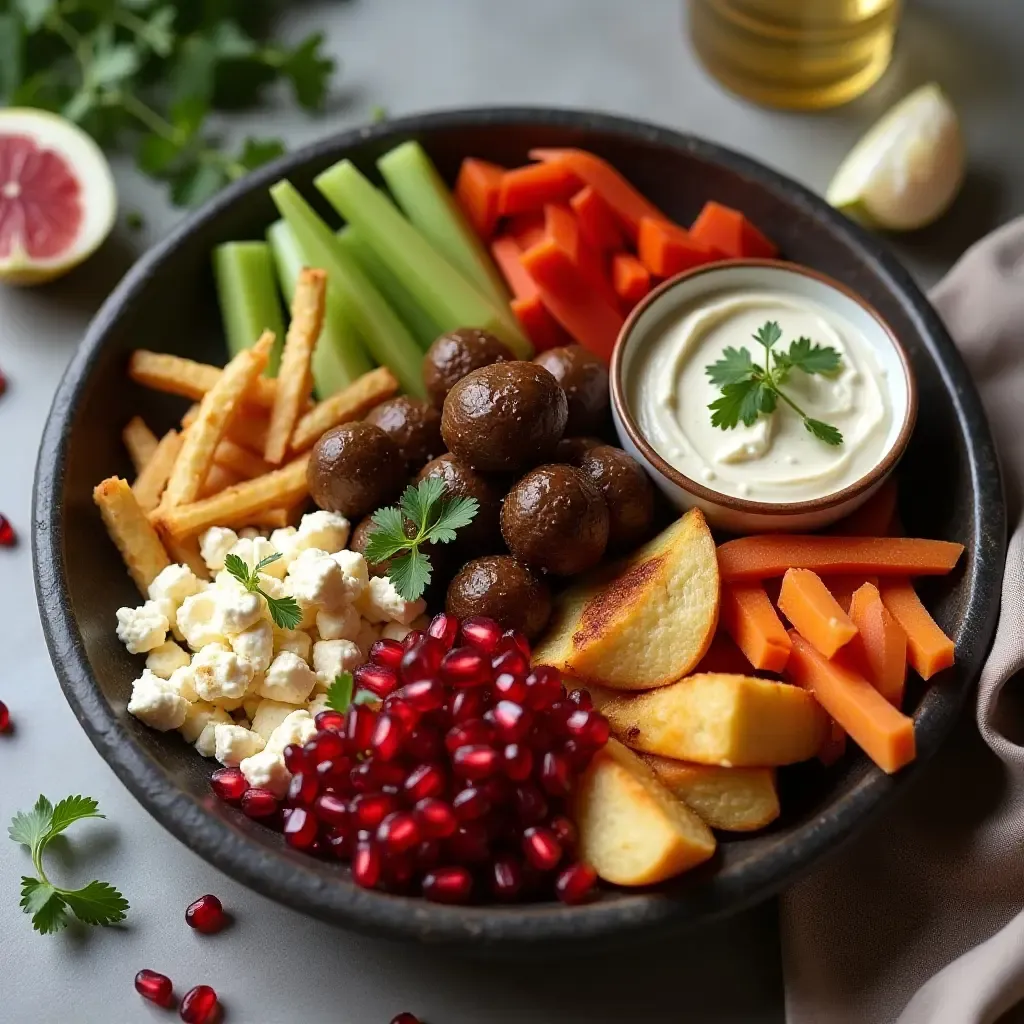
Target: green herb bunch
[285, 611]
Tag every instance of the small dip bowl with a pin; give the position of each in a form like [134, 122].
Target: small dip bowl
[686, 293]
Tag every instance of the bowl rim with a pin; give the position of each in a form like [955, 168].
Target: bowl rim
[294, 879]
[874, 476]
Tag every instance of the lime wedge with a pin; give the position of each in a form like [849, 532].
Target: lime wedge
[907, 169]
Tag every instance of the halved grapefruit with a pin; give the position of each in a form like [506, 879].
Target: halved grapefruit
[57, 196]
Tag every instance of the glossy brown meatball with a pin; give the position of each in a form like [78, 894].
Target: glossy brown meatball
[455, 354]
[504, 418]
[414, 425]
[484, 533]
[584, 379]
[504, 590]
[357, 542]
[555, 520]
[354, 469]
[572, 449]
[628, 493]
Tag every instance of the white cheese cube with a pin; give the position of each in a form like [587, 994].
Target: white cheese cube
[332, 657]
[340, 624]
[197, 620]
[295, 640]
[233, 744]
[221, 676]
[236, 610]
[143, 628]
[255, 550]
[200, 715]
[266, 770]
[154, 704]
[175, 582]
[380, 602]
[256, 645]
[327, 531]
[214, 544]
[297, 728]
[289, 679]
[269, 715]
[165, 659]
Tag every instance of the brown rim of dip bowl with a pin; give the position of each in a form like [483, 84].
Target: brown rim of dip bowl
[877, 473]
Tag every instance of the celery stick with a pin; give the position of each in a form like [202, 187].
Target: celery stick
[376, 323]
[423, 329]
[429, 204]
[436, 285]
[339, 357]
[247, 291]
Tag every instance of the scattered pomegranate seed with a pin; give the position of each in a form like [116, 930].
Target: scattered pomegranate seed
[517, 762]
[444, 627]
[513, 662]
[448, 885]
[531, 806]
[7, 536]
[426, 781]
[199, 1006]
[423, 659]
[330, 719]
[506, 878]
[508, 686]
[295, 759]
[378, 679]
[575, 883]
[565, 831]
[465, 667]
[467, 705]
[541, 847]
[366, 865]
[470, 804]
[436, 818]
[5, 724]
[326, 745]
[470, 844]
[582, 699]
[359, 726]
[512, 720]
[589, 727]
[423, 695]
[303, 788]
[157, 988]
[3, 382]
[206, 915]
[398, 832]
[259, 803]
[405, 1018]
[387, 653]
[475, 762]
[370, 809]
[387, 737]
[481, 633]
[555, 774]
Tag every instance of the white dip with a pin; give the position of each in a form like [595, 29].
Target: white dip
[776, 459]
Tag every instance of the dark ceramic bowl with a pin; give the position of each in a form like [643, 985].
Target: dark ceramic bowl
[950, 488]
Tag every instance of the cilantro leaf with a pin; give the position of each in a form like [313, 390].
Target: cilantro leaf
[823, 431]
[768, 334]
[366, 697]
[388, 536]
[97, 903]
[29, 827]
[285, 611]
[70, 810]
[418, 500]
[735, 366]
[410, 573]
[237, 567]
[264, 562]
[455, 513]
[727, 410]
[813, 358]
[339, 693]
[45, 904]
[309, 71]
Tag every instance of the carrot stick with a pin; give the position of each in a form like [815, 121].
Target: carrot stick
[534, 186]
[477, 190]
[666, 249]
[874, 518]
[721, 227]
[597, 222]
[929, 650]
[628, 205]
[541, 327]
[842, 588]
[561, 226]
[808, 605]
[723, 656]
[756, 557]
[834, 746]
[506, 253]
[879, 651]
[527, 229]
[630, 278]
[749, 618]
[883, 733]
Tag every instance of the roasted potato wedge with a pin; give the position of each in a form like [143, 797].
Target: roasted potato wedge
[728, 720]
[633, 831]
[645, 623]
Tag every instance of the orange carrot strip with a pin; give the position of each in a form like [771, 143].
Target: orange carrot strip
[874, 518]
[834, 746]
[721, 227]
[749, 618]
[756, 557]
[527, 229]
[534, 186]
[724, 656]
[879, 651]
[666, 249]
[541, 327]
[477, 190]
[597, 222]
[883, 733]
[929, 650]
[842, 588]
[808, 605]
[630, 278]
[506, 253]
[628, 205]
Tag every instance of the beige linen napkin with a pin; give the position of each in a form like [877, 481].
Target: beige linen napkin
[920, 920]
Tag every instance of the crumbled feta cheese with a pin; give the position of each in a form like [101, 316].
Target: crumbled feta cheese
[380, 602]
[255, 550]
[233, 744]
[143, 628]
[250, 533]
[269, 715]
[289, 679]
[283, 540]
[256, 645]
[214, 544]
[297, 728]
[266, 770]
[164, 659]
[317, 704]
[183, 683]
[153, 703]
[236, 610]
[327, 531]
[295, 640]
[332, 657]
[175, 583]
[342, 624]
[221, 675]
[315, 578]
[200, 715]
[357, 575]
[395, 631]
[251, 703]
[197, 620]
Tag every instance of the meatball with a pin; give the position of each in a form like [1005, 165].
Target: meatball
[484, 533]
[584, 379]
[626, 490]
[354, 469]
[504, 590]
[357, 542]
[572, 449]
[504, 418]
[414, 425]
[555, 519]
[454, 355]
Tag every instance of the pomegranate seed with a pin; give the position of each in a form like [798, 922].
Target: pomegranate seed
[512, 661]
[465, 667]
[387, 653]
[444, 627]
[517, 762]
[339, 844]
[259, 803]
[330, 719]
[425, 781]
[334, 774]
[423, 694]
[475, 762]
[332, 809]
[380, 680]
[578, 755]
[559, 713]
[519, 639]
[423, 745]
[481, 633]
[326, 745]
[157, 988]
[405, 1018]
[387, 737]
[398, 832]
[366, 865]
[575, 883]
[506, 878]
[531, 807]
[427, 854]
[510, 687]
[397, 871]
[7, 537]
[541, 847]
[199, 1006]
[300, 828]
[436, 819]
[448, 885]
[543, 687]
[497, 789]
[475, 731]
[582, 699]
[404, 712]
[303, 788]
[295, 759]
[206, 915]
[359, 725]
[588, 727]
[412, 638]
[370, 809]
[470, 844]
[555, 774]
[512, 720]
[470, 803]
[467, 704]
[565, 830]
[228, 783]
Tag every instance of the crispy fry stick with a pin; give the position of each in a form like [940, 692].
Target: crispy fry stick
[152, 479]
[140, 441]
[349, 404]
[215, 412]
[237, 505]
[186, 552]
[130, 530]
[275, 518]
[295, 378]
[216, 480]
[248, 429]
[180, 376]
[243, 463]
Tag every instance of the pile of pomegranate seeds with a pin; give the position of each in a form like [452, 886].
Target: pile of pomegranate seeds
[455, 786]
[206, 915]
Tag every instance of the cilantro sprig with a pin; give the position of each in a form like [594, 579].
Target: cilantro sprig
[339, 694]
[285, 611]
[97, 903]
[748, 390]
[434, 518]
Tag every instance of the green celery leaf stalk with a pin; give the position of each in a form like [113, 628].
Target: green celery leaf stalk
[436, 285]
[339, 357]
[249, 303]
[429, 204]
[412, 314]
[386, 337]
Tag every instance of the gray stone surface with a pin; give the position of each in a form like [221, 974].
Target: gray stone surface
[274, 966]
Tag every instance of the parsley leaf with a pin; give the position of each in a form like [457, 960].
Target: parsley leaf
[810, 357]
[339, 693]
[734, 367]
[70, 810]
[410, 573]
[284, 611]
[823, 431]
[97, 903]
[29, 827]
[768, 334]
